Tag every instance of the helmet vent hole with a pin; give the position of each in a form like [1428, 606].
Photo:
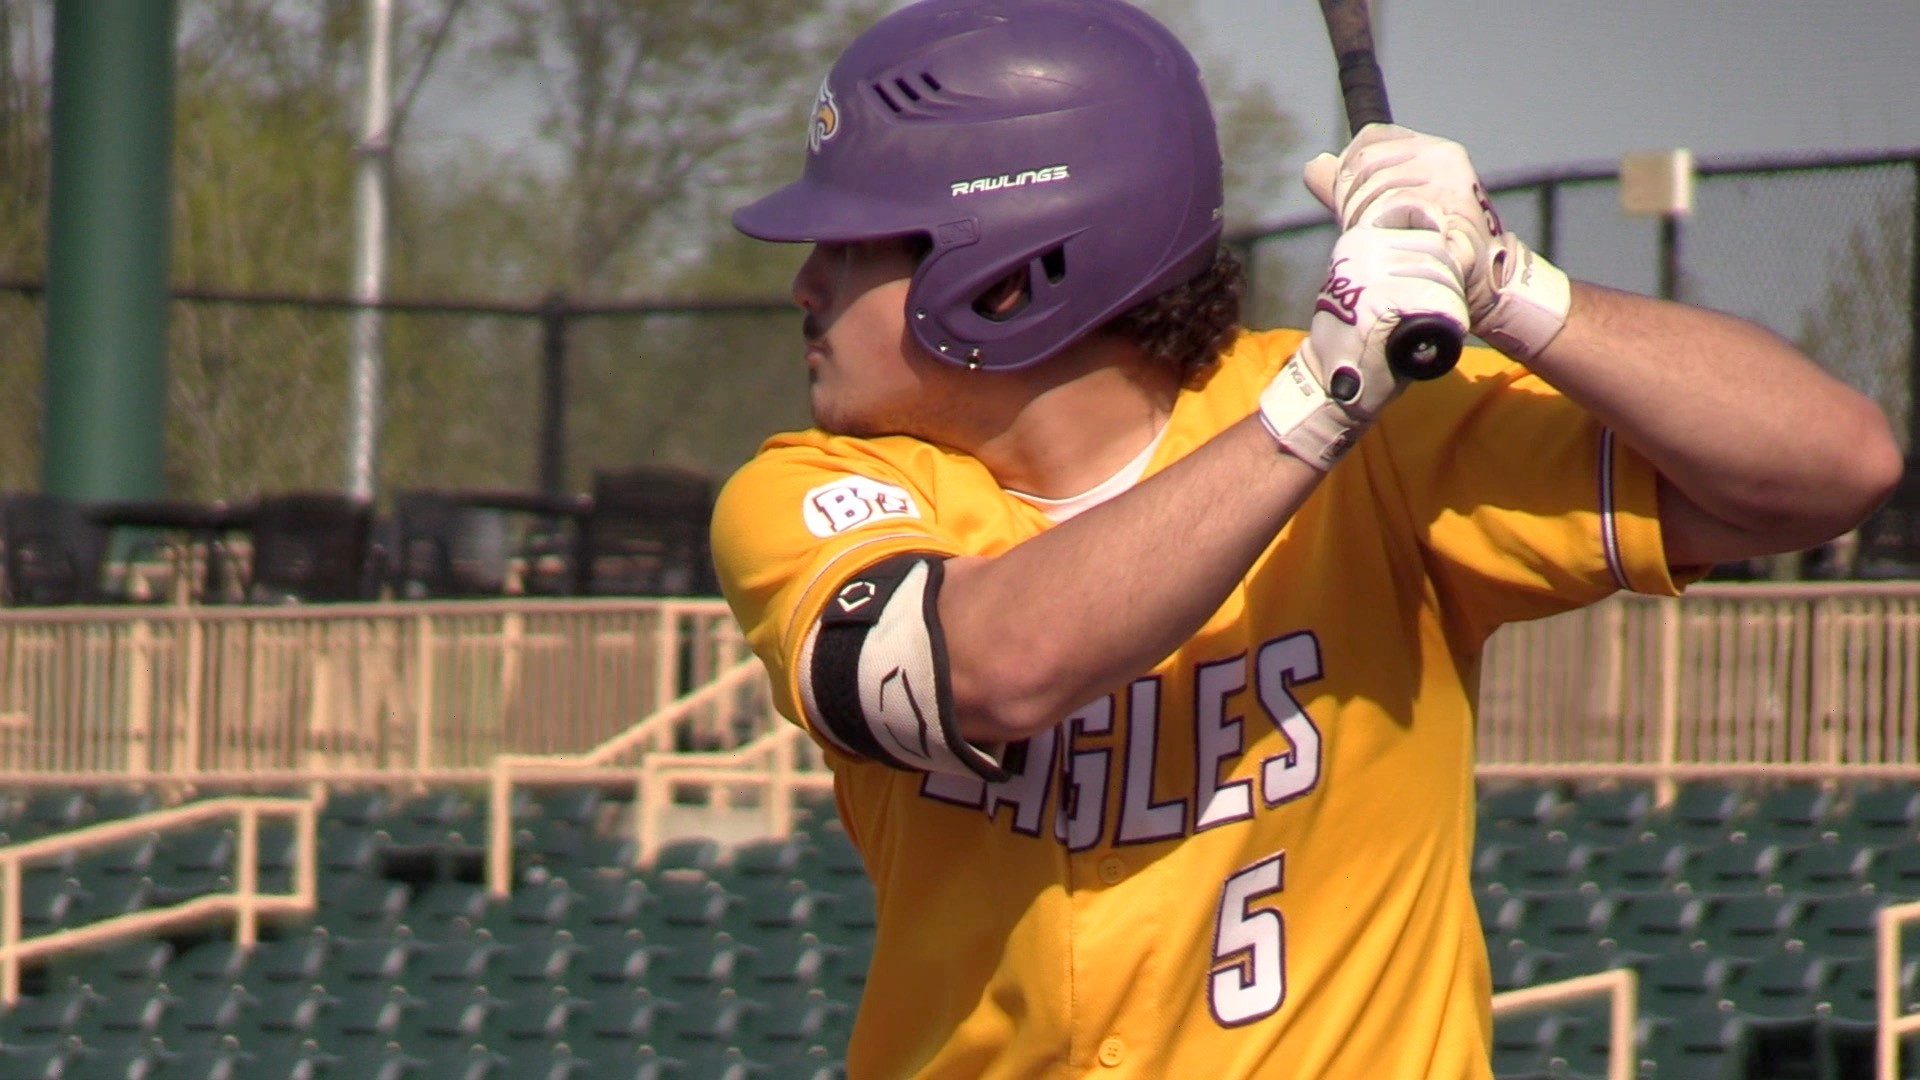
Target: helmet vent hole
[907, 89]
[886, 98]
[1054, 265]
[1006, 299]
[933, 84]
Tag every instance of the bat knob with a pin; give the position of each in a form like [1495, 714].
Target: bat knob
[1424, 346]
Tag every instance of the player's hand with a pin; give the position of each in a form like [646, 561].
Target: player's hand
[1395, 177]
[1339, 380]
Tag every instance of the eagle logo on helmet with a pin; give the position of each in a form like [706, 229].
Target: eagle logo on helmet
[826, 118]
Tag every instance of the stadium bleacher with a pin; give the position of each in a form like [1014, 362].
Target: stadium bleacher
[1749, 914]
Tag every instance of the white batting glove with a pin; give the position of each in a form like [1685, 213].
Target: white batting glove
[1399, 178]
[1339, 380]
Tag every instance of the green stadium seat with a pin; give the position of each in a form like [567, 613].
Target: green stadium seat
[373, 1060]
[795, 958]
[1546, 865]
[722, 1063]
[448, 907]
[1735, 867]
[141, 961]
[130, 1014]
[205, 852]
[1706, 1045]
[1884, 815]
[379, 959]
[1829, 867]
[1646, 865]
[835, 856]
[625, 962]
[1659, 922]
[1567, 920]
[113, 896]
[798, 1022]
[133, 859]
[543, 905]
[717, 1017]
[608, 901]
[692, 964]
[1841, 926]
[629, 1018]
[555, 1017]
[362, 906]
[359, 810]
[218, 961]
[1586, 959]
[1500, 912]
[35, 1062]
[1702, 811]
[444, 807]
[456, 961]
[55, 810]
[1789, 983]
[1896, 870]
[547, 961]
[1749, 925]
[292, 1009]
[1687, 981]
[49, 903]
[295, 959]
[56, 1012]
[686, 901]
[118, 1062]
[205, 1013]
[225, 1062]
[779, 859]
[1524, 1045]
[853, 905]
[541, 1061]
[366, 1017]
[345, 851]
[1528, 804]
[115, 804]
[445, 1019]
[700, 853]
[1792, 814]
[1518, 966]
[1611, 815]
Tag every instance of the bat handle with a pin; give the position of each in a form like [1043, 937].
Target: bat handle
[1424, 346]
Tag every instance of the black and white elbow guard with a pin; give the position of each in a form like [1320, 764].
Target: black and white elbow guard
[874, 677]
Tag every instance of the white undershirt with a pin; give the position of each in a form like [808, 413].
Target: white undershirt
[1058, 510]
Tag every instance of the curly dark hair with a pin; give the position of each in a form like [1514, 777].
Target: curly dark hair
[1189, 326]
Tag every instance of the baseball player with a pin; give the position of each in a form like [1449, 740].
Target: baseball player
[1145, 649]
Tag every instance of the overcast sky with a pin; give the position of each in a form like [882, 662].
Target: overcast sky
[1532, 83]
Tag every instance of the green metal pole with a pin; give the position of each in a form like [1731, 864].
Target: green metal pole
[108, 237]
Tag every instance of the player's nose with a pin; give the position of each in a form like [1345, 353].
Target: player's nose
[809, 282]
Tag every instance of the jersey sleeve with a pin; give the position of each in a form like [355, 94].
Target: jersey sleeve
[1525, 504]
[793, 526]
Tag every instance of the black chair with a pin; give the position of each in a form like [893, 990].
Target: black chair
[647, 534]
[309, 547]
[444, 547]
[51, 552]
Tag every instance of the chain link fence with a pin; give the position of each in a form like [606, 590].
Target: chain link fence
[540, 394]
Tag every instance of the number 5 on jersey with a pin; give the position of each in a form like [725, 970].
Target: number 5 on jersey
[1249, 975]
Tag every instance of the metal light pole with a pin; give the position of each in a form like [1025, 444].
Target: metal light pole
[370, 253]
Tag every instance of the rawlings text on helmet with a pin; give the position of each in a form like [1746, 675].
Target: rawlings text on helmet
[826, 118]
[1010, 180]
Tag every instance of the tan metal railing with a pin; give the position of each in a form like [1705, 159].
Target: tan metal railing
[425, 691]
[1894, 1022]
[734, 707]
[779, 764]
[244, 901]
[1780, 680]
[1622, 988]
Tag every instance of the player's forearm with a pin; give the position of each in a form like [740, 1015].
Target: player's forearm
[1090, 603]
[1738, 421]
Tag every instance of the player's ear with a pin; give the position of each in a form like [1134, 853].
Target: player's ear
[1005, 298]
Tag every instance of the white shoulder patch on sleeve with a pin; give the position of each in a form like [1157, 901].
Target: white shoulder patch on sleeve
[853, 501]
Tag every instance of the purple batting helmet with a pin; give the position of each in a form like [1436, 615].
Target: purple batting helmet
[1069, 137]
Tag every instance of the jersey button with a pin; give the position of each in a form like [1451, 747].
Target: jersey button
[1112, 870]
[1112, 1051]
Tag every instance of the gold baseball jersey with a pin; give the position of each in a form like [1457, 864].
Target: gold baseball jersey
[1252, 860]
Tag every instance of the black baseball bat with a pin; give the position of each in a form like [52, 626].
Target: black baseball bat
[1422, 346]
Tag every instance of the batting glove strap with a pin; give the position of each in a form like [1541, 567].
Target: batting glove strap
[1301, 417]
[1531, 297]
